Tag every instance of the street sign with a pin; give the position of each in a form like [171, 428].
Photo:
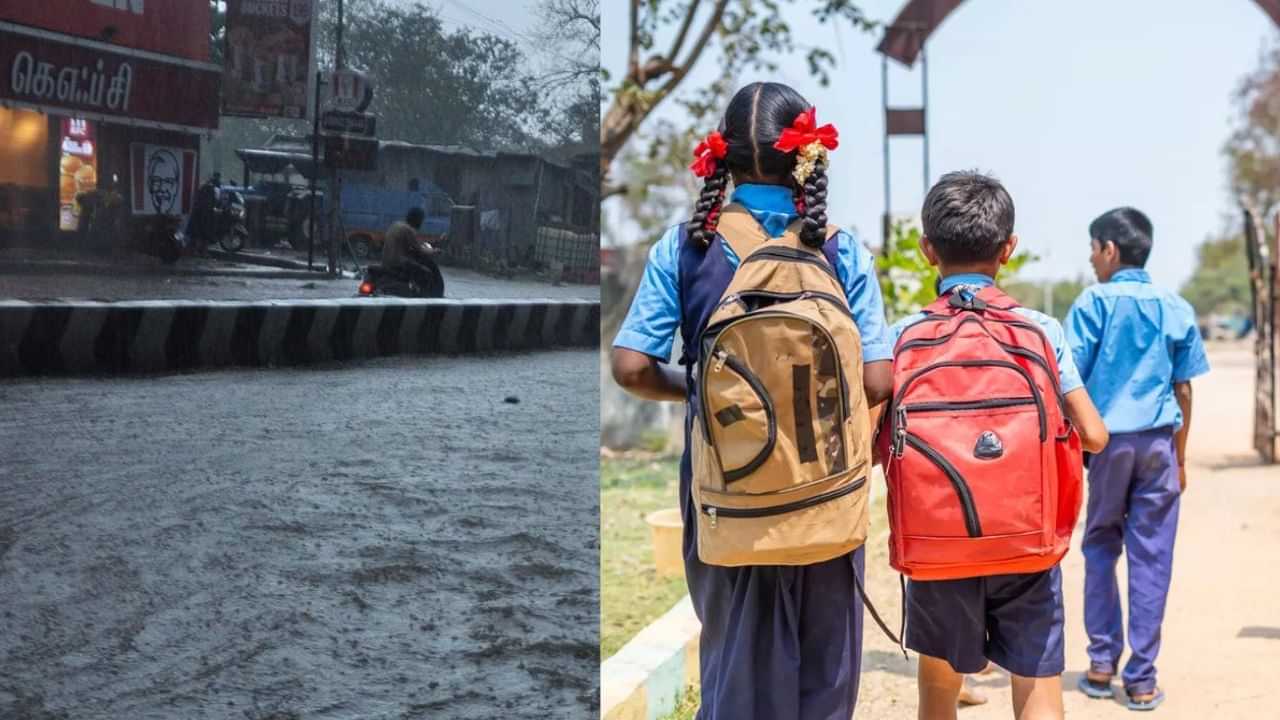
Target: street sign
[350, 123]
[349, 90]
[343, 152]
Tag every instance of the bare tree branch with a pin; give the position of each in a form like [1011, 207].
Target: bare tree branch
[684, 31]
[633, 64]
[710, 27]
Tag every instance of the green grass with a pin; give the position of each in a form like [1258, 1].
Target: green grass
[686, 707]
[631, 593]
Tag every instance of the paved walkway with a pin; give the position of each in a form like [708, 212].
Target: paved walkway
[1222, 630]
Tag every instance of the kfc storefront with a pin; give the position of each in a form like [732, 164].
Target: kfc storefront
[100, 97]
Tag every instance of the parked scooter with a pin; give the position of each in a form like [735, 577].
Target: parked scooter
[379, 281]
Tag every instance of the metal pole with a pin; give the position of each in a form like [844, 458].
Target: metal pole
[335, 178]
[924, 111]
[315, 171]
[884, 95]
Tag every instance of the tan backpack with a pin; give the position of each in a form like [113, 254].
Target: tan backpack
[782, 449]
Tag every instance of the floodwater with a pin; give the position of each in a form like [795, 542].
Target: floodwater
[126, 285]
[383, 540]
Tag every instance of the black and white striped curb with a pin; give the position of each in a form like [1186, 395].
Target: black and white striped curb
[51, 338]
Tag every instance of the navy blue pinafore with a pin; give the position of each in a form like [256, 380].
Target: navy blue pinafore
[778, 642]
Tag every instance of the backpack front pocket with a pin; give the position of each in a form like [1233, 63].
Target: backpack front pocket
[741, 421]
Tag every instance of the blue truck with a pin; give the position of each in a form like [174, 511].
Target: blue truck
[368, 210]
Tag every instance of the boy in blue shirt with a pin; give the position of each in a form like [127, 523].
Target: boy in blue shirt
[1137, 347]
[1013, 620]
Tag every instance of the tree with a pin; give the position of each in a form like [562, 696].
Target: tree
[568, 34]
[908, 282]
[1062, 293]
[1220, 283]
[1253, 149]
[750, 34]
[437, 86]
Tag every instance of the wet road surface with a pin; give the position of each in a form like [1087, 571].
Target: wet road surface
[384, 540]
[459, 284]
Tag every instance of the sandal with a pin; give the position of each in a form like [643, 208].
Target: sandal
[1096, 689]
[1147, 704]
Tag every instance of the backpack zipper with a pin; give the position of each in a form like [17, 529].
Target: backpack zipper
[1011, 349]
[723, 358]
[970, 405]
[971, 523]
[840, 376]
[1031, 383]
[790, 255]
[713, 512]
[842, 306]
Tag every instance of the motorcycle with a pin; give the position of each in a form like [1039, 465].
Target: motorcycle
[380, 281]
[164, 239]
[229, 221]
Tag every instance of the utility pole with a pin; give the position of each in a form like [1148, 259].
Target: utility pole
[315, 175]
[335, 177]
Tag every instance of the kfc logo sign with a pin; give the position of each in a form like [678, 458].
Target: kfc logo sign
[133, 6]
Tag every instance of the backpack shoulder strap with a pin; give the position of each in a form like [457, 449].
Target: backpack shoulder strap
[739, 230]
[743, 234]
[792, 234]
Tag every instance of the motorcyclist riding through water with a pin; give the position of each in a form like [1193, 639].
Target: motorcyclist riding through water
[404, 253]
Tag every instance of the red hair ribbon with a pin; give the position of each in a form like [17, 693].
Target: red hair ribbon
[710, 150]
[803, 132]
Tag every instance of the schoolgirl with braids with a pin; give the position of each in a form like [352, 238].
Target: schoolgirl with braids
[777, 641]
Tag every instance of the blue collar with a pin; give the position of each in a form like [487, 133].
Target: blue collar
[1131, 275]
[773, 206]
[951, 282]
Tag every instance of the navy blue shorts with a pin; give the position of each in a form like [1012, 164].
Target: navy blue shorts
[1014, 621]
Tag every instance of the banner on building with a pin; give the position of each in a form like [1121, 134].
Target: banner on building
[164, 179]
[268, 58]
[77, 169]
[169, 27]
[98, 81]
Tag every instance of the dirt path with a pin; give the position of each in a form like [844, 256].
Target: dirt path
[1222, 628]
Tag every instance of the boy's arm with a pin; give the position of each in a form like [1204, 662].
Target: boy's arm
[877, 381]
[1182, 391]
[645, 376]
[1084, 416]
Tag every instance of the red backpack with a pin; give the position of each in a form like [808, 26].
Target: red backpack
[984, 468]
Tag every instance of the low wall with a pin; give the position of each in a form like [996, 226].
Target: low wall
[53, 338]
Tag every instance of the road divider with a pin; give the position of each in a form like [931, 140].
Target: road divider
[95, 338]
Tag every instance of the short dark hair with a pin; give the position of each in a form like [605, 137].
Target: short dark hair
[415, 216]
[1129, 229]
[967, 216]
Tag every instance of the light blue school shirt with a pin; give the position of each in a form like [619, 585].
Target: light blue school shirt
[1068, 376]
[651, 323]
[1133, 341]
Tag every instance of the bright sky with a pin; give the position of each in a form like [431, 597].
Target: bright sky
[1076, 106]
[511, 19]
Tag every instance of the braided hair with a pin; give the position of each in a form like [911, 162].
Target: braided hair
[707, 212]
[752, 123]
[814, 208]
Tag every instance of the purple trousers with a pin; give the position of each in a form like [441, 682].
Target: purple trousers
[1133, 506]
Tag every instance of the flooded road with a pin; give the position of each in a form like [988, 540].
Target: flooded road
[384, 540]
[459, 283]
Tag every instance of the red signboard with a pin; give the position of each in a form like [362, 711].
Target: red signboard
[268, 58]
[91, 80]
[171, 27]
